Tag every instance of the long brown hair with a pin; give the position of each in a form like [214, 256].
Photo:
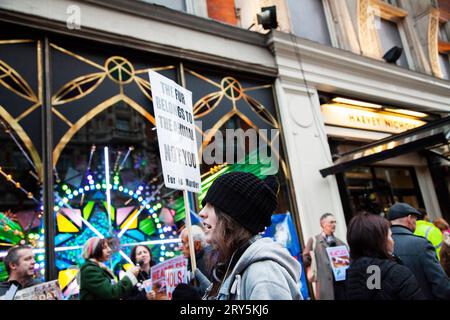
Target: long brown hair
[367, 236]
[133, 254]
[229, 236]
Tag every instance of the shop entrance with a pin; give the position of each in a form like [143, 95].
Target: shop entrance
[376, 188]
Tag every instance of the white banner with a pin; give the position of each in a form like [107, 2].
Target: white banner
[175, 125]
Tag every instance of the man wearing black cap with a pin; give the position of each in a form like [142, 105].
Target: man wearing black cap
[417, 253]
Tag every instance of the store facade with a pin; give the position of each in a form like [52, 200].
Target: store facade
[75, 103]
[334, 103]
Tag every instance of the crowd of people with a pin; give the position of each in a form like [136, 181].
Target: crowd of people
[400, 256]
[403, 261]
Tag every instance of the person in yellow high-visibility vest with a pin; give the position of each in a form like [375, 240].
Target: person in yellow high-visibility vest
[429, 231]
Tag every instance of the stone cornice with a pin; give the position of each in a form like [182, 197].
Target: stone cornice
[59, 27]
[344, 71]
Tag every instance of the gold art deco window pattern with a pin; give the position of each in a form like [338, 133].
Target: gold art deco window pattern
[226, 97]
[122, 72]
[14, 82]
[117, 69]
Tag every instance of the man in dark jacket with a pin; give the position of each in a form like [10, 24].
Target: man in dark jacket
[19, 263]
[417, 253]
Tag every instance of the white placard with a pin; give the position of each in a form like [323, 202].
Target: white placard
[173, 278]
[158, 271]
[339, 260]
[175, 125]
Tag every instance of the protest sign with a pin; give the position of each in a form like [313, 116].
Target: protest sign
[173, 278]
[174, 118]
[44, 291]
[158, 272]
[148, 285]
[175, 125]
[339, 260]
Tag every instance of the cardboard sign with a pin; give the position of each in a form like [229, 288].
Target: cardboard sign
[175, 126]
[339, 260]
[148, 285]
[44, 291]
[173, 278]
[158, 272]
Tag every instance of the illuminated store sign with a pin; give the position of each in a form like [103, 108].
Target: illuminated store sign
[359, 118]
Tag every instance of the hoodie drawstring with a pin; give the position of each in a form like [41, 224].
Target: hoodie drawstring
[236, 287]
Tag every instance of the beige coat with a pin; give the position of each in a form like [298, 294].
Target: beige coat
[324, 280]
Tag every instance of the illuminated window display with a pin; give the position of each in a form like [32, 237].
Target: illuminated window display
[107, 172]
[20, 159]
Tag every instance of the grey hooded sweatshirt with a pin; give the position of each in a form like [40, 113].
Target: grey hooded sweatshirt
[265, 271]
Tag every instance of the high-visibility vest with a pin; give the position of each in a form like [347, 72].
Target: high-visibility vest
[430, 232]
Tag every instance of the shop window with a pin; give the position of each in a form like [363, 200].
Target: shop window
[92, 132]
[444, 61]
[197, 7]
[92, 85]
[376, 188]
[389, 37]
[179, 5]
[122, 124]
[309, 21]
[444, 49]
[21, 174]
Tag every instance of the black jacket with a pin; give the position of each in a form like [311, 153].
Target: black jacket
[396, 281]
[419, 255]
[4, 286]
[138, 292]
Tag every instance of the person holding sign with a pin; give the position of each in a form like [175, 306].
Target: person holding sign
[142, 257]
[237, 207]
[316, 260]
[97, 282]
[374, 273]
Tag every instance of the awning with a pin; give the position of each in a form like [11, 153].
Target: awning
[433, 136]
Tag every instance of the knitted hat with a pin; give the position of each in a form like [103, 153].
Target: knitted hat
[89, 247]
[246, 198]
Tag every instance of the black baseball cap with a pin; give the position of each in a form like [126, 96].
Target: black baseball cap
[401, 209]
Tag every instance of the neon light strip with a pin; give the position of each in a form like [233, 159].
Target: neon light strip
[152, 242]
[88, 168]
[125, 257]
[125, 159]
[108, 190]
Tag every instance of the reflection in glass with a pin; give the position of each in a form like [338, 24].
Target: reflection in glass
[20, 199]
[136, 208]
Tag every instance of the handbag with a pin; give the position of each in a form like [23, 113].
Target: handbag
[311, 272]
